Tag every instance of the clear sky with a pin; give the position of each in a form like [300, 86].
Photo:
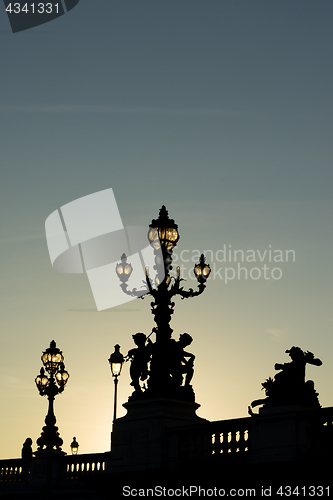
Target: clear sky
[222, 111]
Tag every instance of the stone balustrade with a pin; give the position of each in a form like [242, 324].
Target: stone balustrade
[210, 441]
[14, 470]
[274, 435]
[77, 466]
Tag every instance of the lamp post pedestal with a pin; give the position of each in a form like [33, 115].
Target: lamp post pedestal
[161, 371]
[46, 468]
[138, 440]
[50, 436]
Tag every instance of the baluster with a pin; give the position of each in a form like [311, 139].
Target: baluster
[240, 443]
[213, 441]
[232, 442]
[246, 440]
[224, 442]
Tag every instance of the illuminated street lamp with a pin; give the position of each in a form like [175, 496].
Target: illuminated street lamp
[165, 230]
[202, 270]
[116, 361]
[163, 236]
[74, 446]
[124, 270]
[50, 386]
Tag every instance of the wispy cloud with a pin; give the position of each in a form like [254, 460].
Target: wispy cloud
[14, 385]
[94, 109]
[276, 332]
[113, 310]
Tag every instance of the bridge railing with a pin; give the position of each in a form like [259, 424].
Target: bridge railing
[233, 440]
[14, 470]
[210, 441]
[90, 464]
[230, 441]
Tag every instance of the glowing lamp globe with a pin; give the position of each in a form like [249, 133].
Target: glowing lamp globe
[202, 270]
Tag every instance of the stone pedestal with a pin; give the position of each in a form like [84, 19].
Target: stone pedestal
[279, 434]
[46, 468]
[139, 441]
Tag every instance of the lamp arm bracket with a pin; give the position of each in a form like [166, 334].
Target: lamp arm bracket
[132, 293]
[185, 294]
[175, 288]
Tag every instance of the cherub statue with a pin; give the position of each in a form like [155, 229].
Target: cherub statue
[289, 386]
[139, 357]
[179, 364]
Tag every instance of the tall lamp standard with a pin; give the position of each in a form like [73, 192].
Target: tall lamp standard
[116, 361]
[50, 386]
[163, 236]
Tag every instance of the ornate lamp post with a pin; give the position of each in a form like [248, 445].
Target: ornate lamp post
[163, 236]
[116, 361]
[50, 386]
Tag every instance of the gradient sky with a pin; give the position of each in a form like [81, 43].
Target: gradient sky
[222, 111]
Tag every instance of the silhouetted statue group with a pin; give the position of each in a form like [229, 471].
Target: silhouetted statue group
[164, 368]
[289, 386]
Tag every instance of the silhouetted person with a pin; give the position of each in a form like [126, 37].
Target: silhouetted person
[27, 448]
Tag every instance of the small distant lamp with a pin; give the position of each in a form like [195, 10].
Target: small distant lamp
[202, 270]
[74, 446]
[116, 361]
